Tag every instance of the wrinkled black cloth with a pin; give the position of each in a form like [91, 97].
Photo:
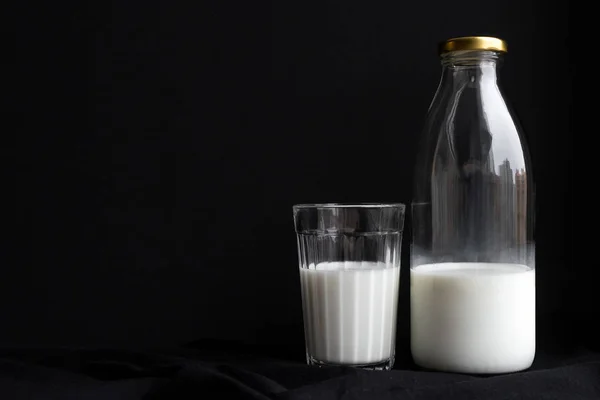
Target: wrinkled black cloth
[189, 373]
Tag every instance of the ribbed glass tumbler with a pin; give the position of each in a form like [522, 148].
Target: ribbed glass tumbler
[349, 259]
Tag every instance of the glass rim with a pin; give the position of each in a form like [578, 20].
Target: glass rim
[324, 206]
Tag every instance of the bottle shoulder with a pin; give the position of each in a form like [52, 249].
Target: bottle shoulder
[472, 128]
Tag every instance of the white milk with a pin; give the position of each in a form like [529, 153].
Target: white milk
[350, 311]
[473, 317]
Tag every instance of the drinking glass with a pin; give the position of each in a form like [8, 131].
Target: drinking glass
[349, 267]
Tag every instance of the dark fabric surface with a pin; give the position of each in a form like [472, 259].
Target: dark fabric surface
[211, 372]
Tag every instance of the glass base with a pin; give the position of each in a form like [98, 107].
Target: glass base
[432, 367]
[384, 365]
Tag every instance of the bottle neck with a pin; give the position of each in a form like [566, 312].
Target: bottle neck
[470, 67]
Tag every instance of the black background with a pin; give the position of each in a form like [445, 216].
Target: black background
[161, 146]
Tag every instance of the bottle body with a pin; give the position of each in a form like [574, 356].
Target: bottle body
[473, 249]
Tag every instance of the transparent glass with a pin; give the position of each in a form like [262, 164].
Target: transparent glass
[349, 258]
[472, 250]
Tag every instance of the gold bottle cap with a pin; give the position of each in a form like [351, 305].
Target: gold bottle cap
[473, 43]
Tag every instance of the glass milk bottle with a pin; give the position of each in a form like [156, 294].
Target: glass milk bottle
[472, 252]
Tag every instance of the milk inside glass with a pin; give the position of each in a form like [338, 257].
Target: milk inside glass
[473, 317]
[350, 311]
